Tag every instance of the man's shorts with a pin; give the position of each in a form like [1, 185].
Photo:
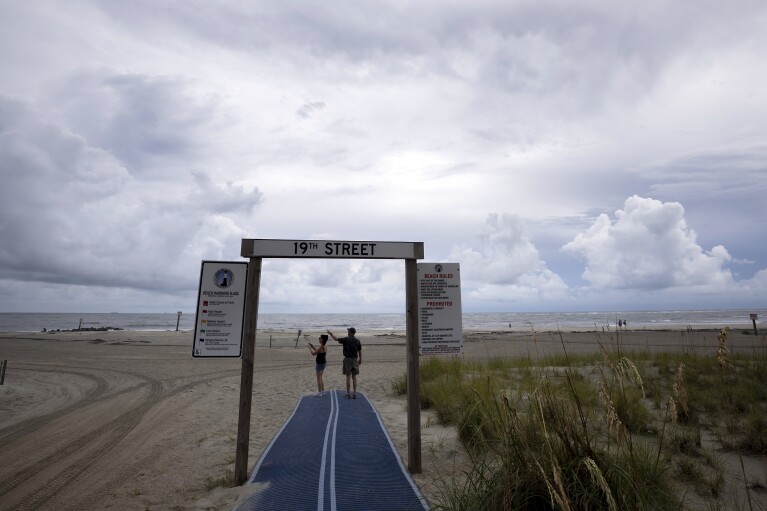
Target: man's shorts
[351, 365]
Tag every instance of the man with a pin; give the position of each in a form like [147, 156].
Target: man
[352, 358]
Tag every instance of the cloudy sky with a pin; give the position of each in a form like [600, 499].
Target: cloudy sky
[583, 155]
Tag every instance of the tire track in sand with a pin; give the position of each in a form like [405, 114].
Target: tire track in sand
[104, 438]
[117, 478]
[16, 431]
[113, 432]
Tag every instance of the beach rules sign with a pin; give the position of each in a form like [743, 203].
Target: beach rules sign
[439, 309]
[220, 309]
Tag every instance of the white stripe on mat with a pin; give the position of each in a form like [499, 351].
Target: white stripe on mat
[321, 492]
[333, 456]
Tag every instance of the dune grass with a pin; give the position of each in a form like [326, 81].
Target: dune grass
[594, 432]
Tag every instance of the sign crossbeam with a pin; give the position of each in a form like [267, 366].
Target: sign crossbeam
[331, 249]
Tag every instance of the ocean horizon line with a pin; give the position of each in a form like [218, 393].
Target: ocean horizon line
[390, 321]
[570, 311]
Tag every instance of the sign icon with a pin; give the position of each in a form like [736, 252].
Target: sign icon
[223, 278]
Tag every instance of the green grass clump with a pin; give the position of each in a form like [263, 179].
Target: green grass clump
[225, 481]
[399, 384]
[755, 434]
[532, 446]
[595, 431]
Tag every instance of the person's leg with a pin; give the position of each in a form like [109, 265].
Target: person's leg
[319, 381]
[347, 372]
[354, 380]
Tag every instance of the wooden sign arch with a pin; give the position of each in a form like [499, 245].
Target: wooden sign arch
[258, 249]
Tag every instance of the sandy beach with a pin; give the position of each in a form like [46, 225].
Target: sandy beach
[128, 420]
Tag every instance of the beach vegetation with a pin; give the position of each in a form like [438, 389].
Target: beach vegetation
[399, 384]
[601, 431]
[225, 481]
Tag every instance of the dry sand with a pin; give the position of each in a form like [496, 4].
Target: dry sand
[128, 420]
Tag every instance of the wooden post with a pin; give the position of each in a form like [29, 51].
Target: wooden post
[298, 336]
[413, 390]
[178, 319]
[3, 365]
[246, 376]
[753, 320]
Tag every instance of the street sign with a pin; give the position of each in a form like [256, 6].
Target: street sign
[326, 249]
[220, 309]
[258, 249]
[439, 309]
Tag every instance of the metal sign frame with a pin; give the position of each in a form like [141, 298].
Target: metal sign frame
[220, 310]
[258, 249]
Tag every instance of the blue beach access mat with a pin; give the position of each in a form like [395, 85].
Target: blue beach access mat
[332, 454]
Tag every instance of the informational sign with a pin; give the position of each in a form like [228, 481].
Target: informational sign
[439, 309]
[325, 249]
[220, 309]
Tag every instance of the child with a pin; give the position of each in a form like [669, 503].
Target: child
[320, 352]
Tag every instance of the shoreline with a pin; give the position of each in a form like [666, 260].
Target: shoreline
[392, 322]
[398, 331]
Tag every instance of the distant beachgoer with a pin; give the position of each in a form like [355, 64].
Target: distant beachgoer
[320, 353]
[620, 323]
[352, 359]
[625, 324]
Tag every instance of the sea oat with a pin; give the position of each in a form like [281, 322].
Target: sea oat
[564, 501]
[554, 493]
[628, 370]
[671, 407]
[680, 392]
[721, 352]
[598, 478]
[614, 423]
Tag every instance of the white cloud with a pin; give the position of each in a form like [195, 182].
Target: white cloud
[649, 246]
[755, 288]
[502, 264]
[336, 285]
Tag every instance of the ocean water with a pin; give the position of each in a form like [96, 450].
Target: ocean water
[36, 322]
